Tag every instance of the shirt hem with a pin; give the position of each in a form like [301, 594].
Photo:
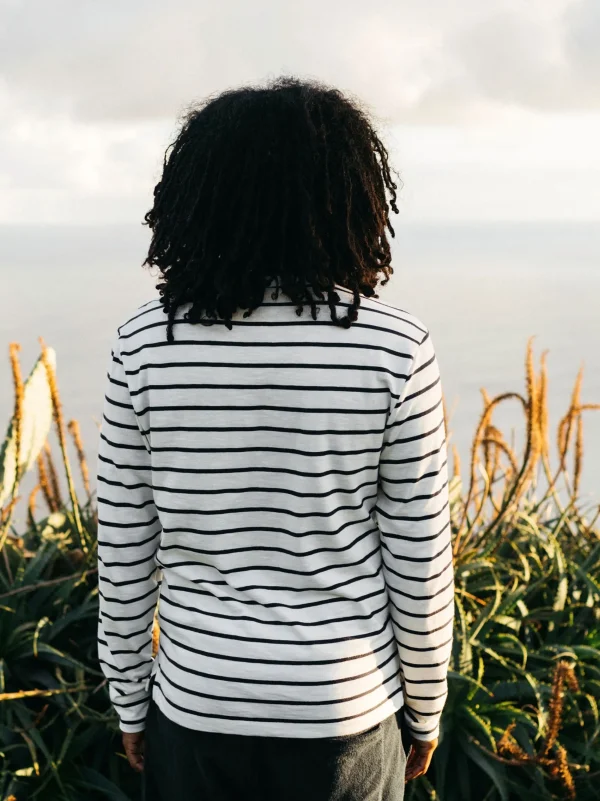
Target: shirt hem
[292, 730]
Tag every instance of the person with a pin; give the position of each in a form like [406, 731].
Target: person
[273, 471]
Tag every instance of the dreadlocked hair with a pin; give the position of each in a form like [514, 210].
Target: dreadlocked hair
[284, 185]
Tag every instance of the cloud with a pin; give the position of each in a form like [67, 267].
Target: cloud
[90, 92]
[412, 61]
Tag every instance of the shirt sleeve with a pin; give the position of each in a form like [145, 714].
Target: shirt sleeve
[128, 538]
[413, 515]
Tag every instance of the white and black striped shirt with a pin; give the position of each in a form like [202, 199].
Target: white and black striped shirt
[287, 480]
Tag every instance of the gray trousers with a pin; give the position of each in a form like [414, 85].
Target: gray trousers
[186, 765]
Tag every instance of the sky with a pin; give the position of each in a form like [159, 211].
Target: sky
[491, 109]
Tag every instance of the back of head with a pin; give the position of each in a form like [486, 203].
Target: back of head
[287, 183]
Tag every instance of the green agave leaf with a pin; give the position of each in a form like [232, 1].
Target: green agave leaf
[37, 565]
[512, 691]
[99, 783]
[461, 677]
[35, 426]
[592, 561]
[485, 616]
[480, 727]
[465, 656]
[495, 771]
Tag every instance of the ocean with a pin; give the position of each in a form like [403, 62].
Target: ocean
[482, 290]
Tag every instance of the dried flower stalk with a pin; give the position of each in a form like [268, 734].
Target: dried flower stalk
[19, 391]
[60, 430]
[75, 432]
[53, 476]
[31, 503]
[45, 484]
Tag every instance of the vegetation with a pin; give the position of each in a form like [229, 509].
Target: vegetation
[522, 716]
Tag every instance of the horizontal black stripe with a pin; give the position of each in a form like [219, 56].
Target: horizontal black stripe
[125, 504]
[133, 651]
[393, 313]
[428, 614]
[424, 697]
[419, 559]
[362, 310]
[271, 568]
[275, 588]
[393, 536]
[426, 650]
[228, 491]
[113, 402]
[129, 618]
[275, 604]
[411, 518]
[272, 682]
[421, 666]
[427, 632]
[415, 437]
[229, 429]
[122, 445]
[250, 619]
[187, 491]
[127, 544]
[227, 470]
[151, 306]
[111, 524]
[420, 598]
[420, 731]
[263, 661]
[116, 382]
[252, 449]
[416, 416]
[130, 634]
[290, 721]
[272, 529]
[269, 509]
[125, 669]
[116, 424]
[127, 704]
[126, 601]
[435, 712]
[415, 498]
[224, 343]
[386, 479]
[422, 391]
[129, 581]
[420, 579]
[425, 365]
[292, 702]
[268, 641]
[258, 408]
[255, 387]
[271, 324]
[369, 368]
[268, 548]
[414, 459]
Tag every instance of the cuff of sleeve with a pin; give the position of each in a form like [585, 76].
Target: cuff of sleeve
[132, 716]
[132, 728]
[426, 734]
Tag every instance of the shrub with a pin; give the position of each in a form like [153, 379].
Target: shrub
[522, 716]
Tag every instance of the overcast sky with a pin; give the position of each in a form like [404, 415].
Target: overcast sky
[491, 108]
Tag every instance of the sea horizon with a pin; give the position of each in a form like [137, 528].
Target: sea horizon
[483, 289]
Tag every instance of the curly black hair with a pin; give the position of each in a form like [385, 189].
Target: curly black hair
[284, 183]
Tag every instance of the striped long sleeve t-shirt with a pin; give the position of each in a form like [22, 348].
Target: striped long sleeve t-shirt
[280, 490]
